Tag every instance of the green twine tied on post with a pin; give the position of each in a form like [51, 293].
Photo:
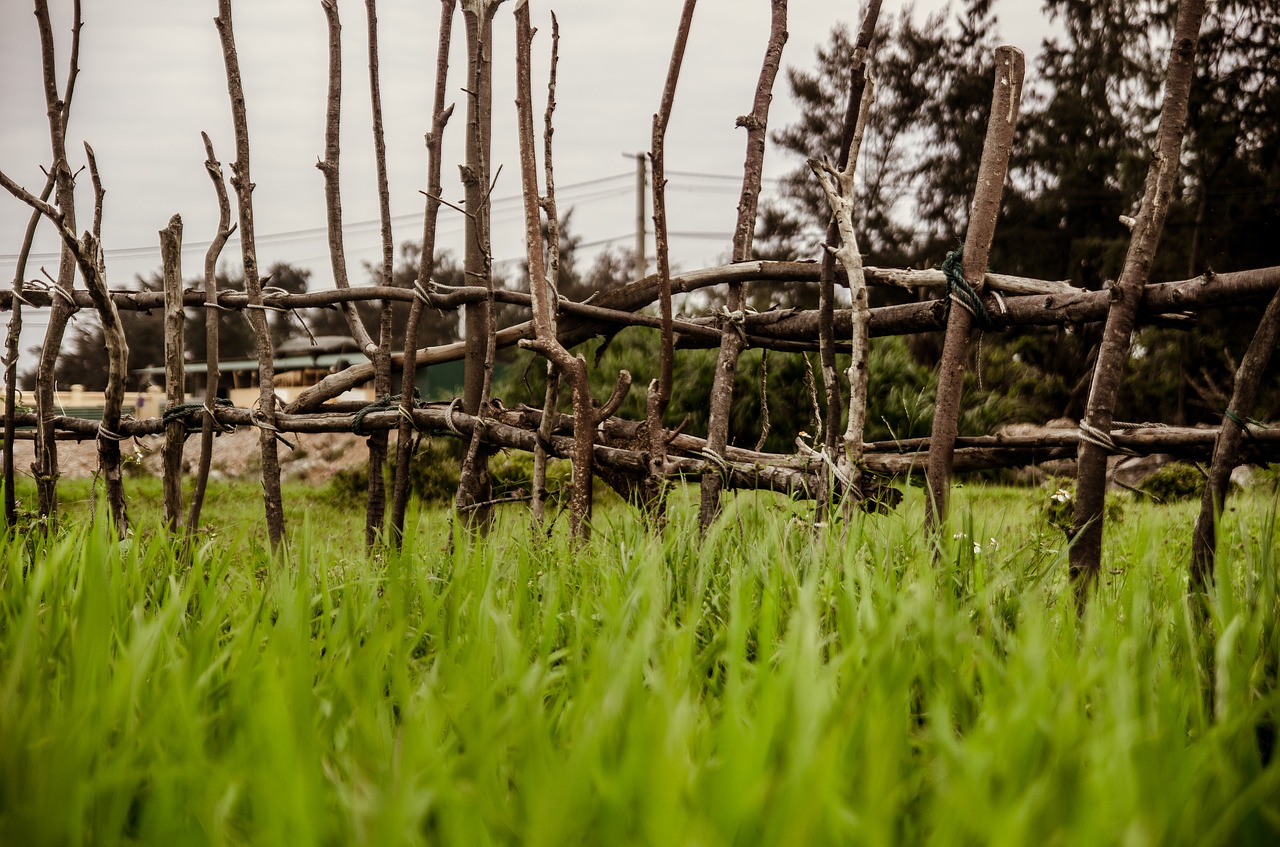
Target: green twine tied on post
[385, 403]
[960, 291]
[180, 412]
[1244, 423]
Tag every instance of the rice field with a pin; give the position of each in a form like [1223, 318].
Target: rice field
[769, 684]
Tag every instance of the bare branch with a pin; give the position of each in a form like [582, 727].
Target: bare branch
[839, 188]
[731, 338]
[241, 182]
[426, 267]
[329, 166]
[571, 368]
[210, 295]
[89, 256]
[826, 289]
[660, 389]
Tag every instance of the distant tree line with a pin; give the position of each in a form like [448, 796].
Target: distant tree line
[1084, 142]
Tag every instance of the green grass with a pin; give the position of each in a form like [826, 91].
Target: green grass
[762, 685]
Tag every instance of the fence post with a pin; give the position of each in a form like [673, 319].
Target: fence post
[992, 171]
[175, 433]
[1091, 471]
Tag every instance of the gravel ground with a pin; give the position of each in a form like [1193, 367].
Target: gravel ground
[235, 455]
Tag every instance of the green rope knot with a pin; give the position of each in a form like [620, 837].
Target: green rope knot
[180, 411]
[1243, 423]
[960, 291]
[385, 403]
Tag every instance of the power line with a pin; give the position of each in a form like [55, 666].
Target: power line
[350, 228]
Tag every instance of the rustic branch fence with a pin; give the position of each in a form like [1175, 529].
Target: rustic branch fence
[639, 458]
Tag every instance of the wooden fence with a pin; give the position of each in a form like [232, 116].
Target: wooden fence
[639, 458]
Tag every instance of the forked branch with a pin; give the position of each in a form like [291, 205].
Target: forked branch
[572, 368]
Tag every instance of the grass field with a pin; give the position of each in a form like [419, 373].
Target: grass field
[765, 685]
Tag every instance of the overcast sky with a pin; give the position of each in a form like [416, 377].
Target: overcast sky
[152, 78]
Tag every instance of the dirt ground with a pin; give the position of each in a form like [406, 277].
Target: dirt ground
[316, 457]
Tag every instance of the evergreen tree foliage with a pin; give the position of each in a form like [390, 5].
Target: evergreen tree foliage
[1088, 122]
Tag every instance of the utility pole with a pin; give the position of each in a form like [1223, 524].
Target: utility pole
[641, 191]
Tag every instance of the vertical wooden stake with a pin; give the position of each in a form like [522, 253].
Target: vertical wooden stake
[375, 512]
[265, 416]
[992, 171]
[731, 336]
[660, 389]
[827, 281]
[572, 368]
[225, 227]
[1091, 471]
[11, 355]
[474, 484]
[1226, 450]
[45, 468]
[175, 433]
[426, 266]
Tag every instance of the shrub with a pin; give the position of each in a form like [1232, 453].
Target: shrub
[1173, 482]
